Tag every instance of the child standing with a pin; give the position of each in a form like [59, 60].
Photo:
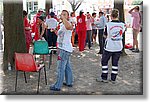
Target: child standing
[113, 47]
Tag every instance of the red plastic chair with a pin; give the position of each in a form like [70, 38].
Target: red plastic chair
[25, 62]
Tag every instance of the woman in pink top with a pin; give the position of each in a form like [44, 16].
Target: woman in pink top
[136, 27]
[89, 22]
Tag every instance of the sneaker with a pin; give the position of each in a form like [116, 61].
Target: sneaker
[132, 49]
[136, 50]
[101, 80]
[55, 52]
[54, 88]
[67, 85]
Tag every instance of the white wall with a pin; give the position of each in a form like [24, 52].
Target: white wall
[41, 4]
[25, 5]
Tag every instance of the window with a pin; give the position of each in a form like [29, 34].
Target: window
[32, 6]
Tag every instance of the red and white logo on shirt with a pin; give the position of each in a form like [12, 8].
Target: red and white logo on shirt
[80, 20]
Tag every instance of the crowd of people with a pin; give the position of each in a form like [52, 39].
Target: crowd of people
[85, 28]
[61, 32]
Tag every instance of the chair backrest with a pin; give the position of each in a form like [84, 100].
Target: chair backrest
[25, 62]
[40, 47]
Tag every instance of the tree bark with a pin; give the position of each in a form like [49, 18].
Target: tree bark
[14, 37]
[119, 4]
[48, 5]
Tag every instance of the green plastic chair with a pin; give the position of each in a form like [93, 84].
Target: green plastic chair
[41, 48]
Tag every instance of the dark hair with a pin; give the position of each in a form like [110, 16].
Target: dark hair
[101, 13]
[41, 18]
[137, 8]
[93, 14]
[72, 13]
[108, 17]
[80, 14]
[25, 13]
[52, 14]
[65, 11]
[115, 13]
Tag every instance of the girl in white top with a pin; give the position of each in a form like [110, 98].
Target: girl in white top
[64, 52]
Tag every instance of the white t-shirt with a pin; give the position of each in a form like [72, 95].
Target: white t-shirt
[73, 21]
[115, 31]
[64, 39]
[51, 23]
[101, 22]
[94, 26]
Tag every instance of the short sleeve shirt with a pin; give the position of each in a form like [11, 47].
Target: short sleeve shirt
[136, 20]
[64, 39]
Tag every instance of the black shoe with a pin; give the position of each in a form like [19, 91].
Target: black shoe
[54, 89]
[136, 50]
[99, 79]
[55, 52]
[132, 49]
[67, 85]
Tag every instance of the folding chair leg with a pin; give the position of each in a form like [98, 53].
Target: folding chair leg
[50, 60]
[35, 57]
[25, 77]
[38, 82]
[45, 75]
[16, 81]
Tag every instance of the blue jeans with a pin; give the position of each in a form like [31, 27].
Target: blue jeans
[64, 69]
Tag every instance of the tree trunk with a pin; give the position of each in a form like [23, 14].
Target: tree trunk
[14, 37]
[119, 4]
[48, 6]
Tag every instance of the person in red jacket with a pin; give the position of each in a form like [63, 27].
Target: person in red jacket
[27, 31]
[81, 30]
[36, 25]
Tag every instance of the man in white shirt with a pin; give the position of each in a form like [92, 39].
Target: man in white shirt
[51, 28]
[73, 21]
[101, 23]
